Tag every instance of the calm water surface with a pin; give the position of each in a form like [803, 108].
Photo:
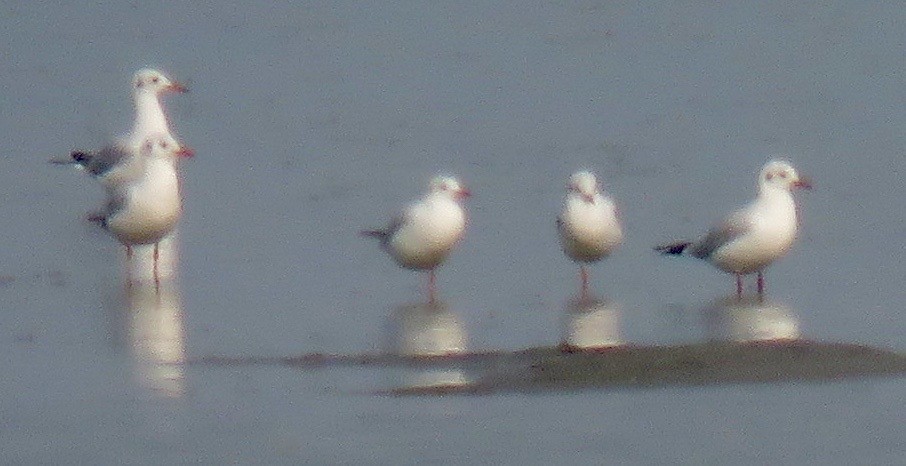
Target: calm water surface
[311, 122]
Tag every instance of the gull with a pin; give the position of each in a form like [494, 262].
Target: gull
[146, 209]
[148, 85]
[422, 236]
[116, 164]
[751, 238]
[588, 225]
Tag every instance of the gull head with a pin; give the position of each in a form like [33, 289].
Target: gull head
[448, 186]
[164, 146]
[584, 184]
[780, 174]
[155, 82]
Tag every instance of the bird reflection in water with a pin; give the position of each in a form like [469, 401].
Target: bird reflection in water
[750, 318]
[428, 330]
[153, 324]
[591, 322]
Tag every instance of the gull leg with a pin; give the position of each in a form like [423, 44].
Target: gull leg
[156, 272]
[128, 266]
[760, 284]
[739, 286]
[432, 288]
[583, 275]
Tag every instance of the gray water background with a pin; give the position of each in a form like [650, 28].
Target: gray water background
[312, 121]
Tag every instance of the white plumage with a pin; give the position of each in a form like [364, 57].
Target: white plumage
[751, 238]
[588, 225]
[425, 233]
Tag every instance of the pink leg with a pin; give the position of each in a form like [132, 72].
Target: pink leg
[583, 275]
[739, 285]
[128, 266]
[760, 283]
[156, 273]
[432, 288]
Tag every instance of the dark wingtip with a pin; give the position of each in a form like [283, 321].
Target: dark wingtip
[673, 248]
[76, 156]
[79, 156]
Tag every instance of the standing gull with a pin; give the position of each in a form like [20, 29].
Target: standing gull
[148, 86]
[145, 210]
[588, 225]
[422, 236]
[753, 237]
[116, 164]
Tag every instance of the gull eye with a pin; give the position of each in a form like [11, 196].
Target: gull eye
[769, 176]
[155, 80]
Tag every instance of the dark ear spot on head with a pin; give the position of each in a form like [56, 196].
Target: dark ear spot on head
[782, 174]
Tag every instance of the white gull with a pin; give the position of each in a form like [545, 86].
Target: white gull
[115, 165]
[148, 85]
[422, 236]
[751, 238]
[588, 225]
[145, 210]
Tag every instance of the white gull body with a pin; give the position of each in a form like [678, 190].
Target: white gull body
[425, 233]
[751, 238]
[145, 210]
[588, 225]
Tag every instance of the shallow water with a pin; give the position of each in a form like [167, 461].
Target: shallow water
[313, 122]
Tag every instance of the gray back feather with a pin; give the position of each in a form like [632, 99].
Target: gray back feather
[720, 235]
[100, 162]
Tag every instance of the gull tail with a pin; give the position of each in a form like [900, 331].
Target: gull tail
[76, 157]
[673, 249]
[97, 217]
[379, 234]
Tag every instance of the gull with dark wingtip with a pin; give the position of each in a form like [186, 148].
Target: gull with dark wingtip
[751, 238]
[116, 164]
[422, 236]
[146, 209]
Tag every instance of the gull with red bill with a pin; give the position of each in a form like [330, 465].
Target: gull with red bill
[425, 233]
[588, 225]
[148, 85]
[146, 209]
[751, 238]
[115, 164]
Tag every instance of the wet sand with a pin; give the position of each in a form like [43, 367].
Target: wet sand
[566, 368]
